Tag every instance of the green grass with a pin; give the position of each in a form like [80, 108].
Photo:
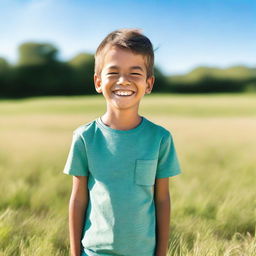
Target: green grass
[163, 104]
[213, 201]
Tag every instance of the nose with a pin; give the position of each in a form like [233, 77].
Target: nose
[123, 80]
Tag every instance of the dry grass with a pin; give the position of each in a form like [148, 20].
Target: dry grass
[213, 201]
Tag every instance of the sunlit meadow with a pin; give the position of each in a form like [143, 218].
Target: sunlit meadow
[213, 200]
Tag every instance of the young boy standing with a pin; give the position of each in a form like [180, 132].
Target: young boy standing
[121, 161]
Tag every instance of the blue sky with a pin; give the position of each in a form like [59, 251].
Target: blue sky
[187, 33]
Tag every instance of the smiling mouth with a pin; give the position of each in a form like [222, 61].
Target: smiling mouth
[122, 93]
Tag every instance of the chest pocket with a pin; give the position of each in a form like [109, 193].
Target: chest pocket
[145, 171]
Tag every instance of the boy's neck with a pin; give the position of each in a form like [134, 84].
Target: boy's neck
[121, 120]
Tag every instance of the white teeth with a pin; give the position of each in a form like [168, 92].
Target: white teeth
[123, 93]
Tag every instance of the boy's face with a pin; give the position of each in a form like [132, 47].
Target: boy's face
[123, 80]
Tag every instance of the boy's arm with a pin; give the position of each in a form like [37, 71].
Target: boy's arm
[77, 207]
[163, 214]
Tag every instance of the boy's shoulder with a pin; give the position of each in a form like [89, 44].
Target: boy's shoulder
[159, 128]
[84, 127]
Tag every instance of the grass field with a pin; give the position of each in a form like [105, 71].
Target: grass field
[213, 201]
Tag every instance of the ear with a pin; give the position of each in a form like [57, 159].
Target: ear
[150, 83]
[97, 83]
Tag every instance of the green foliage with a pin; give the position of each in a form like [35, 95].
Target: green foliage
[83, 68]
[206, 79]
[4, 73]
[161, 82]
[83, 61]
[232, 73]
[39, 72]
[31, 53]
[4, 66]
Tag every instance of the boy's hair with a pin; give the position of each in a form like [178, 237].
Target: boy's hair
[130, 39]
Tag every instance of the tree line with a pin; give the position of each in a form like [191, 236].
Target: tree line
[38, 72]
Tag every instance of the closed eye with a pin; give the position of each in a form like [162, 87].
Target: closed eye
[138, 74]
[113, 73]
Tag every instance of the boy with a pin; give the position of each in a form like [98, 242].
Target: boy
[121, 161]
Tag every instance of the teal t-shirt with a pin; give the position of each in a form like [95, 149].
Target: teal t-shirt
[121, 167]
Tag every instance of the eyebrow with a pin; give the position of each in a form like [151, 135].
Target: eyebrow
[133, 67]
[137, 67]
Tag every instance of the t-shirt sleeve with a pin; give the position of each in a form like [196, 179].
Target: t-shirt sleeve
[168, 164]
[77, 162]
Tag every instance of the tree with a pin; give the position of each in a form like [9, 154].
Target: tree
[4, 71]
[4, 65]
[83, 67]
[31, 53]
[161, 84]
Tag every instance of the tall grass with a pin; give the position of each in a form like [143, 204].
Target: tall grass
[213, 200]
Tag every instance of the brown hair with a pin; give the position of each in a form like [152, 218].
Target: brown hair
[130, 39]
